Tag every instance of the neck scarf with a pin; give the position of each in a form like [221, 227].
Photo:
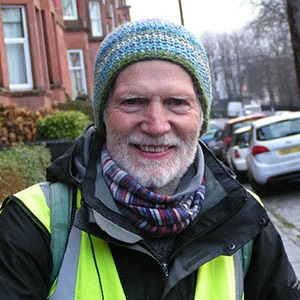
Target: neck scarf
[154, 214]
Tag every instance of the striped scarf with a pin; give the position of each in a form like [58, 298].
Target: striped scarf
[156, 215]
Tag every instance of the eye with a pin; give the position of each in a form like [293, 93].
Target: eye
[131, 101]
[177, 102]
[177, 105]
[133, 104]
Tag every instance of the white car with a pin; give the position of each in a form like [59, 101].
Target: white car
[274, 151]
[238, 151]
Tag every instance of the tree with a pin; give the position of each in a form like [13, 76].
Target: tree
[272, 26]
[257, 61]
[293, 10]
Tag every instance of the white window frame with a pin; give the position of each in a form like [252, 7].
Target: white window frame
[23, 41]
[107, 28]
[74, 16]
[81, 68]
[112, 15]
[96, 20]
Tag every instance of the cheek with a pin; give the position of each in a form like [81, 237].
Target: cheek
[118, 123]
[191, 123]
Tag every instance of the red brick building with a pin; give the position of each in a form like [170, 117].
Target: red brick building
[47, 47]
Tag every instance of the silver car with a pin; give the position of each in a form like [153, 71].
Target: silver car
[274, 151]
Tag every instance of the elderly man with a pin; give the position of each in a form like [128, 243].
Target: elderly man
[156, 215]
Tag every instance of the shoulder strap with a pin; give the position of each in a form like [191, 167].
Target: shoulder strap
[61, 209]
[246, 253]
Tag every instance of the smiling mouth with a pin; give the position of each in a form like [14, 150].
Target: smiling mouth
[152, 149]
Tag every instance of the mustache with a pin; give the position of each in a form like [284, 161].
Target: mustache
[142, 139]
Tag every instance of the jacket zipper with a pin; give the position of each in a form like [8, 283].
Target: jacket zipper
[165, 268]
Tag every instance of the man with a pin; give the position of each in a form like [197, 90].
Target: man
[158, 217]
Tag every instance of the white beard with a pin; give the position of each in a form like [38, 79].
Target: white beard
[154, 173]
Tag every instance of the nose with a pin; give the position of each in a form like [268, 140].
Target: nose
[156, 121]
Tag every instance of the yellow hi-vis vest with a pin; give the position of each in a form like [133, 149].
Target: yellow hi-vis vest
[88, 270]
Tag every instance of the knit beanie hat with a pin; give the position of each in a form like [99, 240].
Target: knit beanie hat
[146, 40]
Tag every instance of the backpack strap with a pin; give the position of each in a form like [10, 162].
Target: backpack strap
[246, 253]
[61, 213]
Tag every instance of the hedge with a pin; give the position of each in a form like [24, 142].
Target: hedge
[22, 166]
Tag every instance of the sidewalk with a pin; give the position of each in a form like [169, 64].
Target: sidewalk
[291, 240]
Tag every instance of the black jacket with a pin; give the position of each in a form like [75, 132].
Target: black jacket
[230, 218]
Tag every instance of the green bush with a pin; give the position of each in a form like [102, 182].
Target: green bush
[80, 105]
[63, 125]
[22, 166]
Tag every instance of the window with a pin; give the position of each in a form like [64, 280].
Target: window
[77, 72]
[112, 15]
[107, 28]
[279, 130]
[69, 9]
[242, 139]
[17, 48]
[95, 17]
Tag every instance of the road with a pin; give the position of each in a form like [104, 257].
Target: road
[283, 205]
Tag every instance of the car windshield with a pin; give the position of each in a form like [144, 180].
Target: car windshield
[212, 126]
[278, 130]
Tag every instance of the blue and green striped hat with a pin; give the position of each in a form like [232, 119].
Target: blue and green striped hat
[146, 40]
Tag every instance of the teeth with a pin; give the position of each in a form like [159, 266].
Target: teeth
[154, 149]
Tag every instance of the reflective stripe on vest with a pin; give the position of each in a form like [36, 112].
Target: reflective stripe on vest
[88, 270]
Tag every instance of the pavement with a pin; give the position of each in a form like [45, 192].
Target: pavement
[283, 206]
[291, 239]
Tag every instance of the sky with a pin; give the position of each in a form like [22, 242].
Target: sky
[199, 15]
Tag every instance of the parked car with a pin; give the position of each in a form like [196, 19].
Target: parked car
[274, 151]
[234, 109]
[216, 144]
[209, 134]
[231, 125]
[238, 151]
[250, 109]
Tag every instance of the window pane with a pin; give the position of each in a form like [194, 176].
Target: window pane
[16, 66]
[17, 47]
[75, 60]
[12, 22]
[94, 12]
[69, 9]
[77, 72]
[95, 17]
[112, 15]
[77, 81]
[278, 130]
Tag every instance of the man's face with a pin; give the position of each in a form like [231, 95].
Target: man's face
[153, 120]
